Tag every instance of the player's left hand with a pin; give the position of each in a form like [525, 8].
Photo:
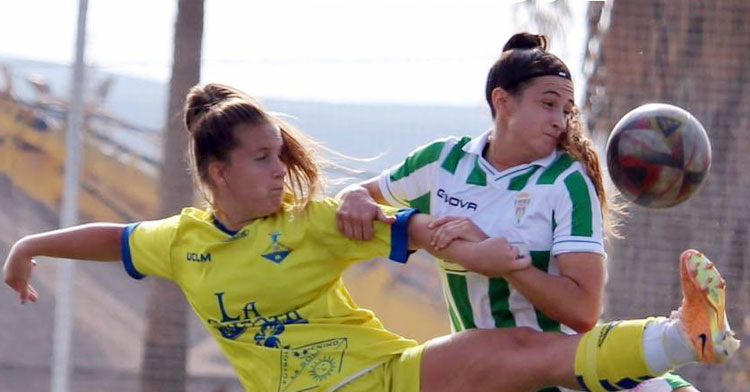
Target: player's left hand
[17, 274]
[357, 212]
[449, 228]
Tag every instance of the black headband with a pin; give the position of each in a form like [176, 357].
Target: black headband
[561, 72]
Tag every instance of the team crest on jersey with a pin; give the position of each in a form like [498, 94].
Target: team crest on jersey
[277, 252]
[522, 204]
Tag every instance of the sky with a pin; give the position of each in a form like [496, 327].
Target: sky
[400, 51]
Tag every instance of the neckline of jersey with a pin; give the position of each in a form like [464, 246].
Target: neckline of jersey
[476, 147]
[217, 223]
[508, 172]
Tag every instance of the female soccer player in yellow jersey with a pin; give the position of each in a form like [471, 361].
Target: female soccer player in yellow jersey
[534, 179]
[262, 265]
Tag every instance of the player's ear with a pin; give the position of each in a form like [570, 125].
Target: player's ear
[501, 101]
[216, 173]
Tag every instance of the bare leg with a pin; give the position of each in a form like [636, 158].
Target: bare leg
[517, 359]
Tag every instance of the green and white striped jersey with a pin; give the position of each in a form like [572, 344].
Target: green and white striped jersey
[550, 205]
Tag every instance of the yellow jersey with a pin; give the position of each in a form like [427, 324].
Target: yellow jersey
[271, 293]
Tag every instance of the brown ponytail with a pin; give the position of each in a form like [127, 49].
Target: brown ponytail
[579, 146]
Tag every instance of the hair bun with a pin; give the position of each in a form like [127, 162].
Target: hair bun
[526, 41]
[199, 101]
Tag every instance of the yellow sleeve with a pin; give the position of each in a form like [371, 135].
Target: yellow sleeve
[146, 247]
[390, 241]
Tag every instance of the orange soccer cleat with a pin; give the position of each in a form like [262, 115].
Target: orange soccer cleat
[703, 312]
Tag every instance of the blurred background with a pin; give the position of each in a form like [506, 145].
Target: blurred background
[369, 79]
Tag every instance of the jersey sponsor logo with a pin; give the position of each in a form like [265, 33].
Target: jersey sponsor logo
[456, 202]
[270, 327]
[277, 251]
[522, 203]
[199, 257]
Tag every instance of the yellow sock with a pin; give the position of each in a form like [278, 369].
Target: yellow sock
[610, 357]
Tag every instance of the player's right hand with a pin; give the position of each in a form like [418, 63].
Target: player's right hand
[356, 213]
[17, 273]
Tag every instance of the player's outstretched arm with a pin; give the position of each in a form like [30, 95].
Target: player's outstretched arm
[95, 241]
[493, 257]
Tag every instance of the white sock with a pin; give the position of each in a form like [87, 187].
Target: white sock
[666, 346]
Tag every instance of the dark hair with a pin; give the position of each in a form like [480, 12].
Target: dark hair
[524, 57]
[212, 114]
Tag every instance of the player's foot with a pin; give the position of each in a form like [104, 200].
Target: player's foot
[703, 312]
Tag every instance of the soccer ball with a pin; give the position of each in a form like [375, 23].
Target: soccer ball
[658, 155]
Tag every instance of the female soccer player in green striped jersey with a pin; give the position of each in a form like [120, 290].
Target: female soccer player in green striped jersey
[261, 267]
[534, 179]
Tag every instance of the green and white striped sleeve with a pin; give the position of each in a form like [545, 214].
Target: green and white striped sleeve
[577, 215]
[410, 183]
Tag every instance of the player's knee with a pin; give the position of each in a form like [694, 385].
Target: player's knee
[507, 344]
[510, 353]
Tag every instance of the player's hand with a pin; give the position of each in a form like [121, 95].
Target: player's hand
[500, 258]
[17, 273]
[449, 228]
[356, 213]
